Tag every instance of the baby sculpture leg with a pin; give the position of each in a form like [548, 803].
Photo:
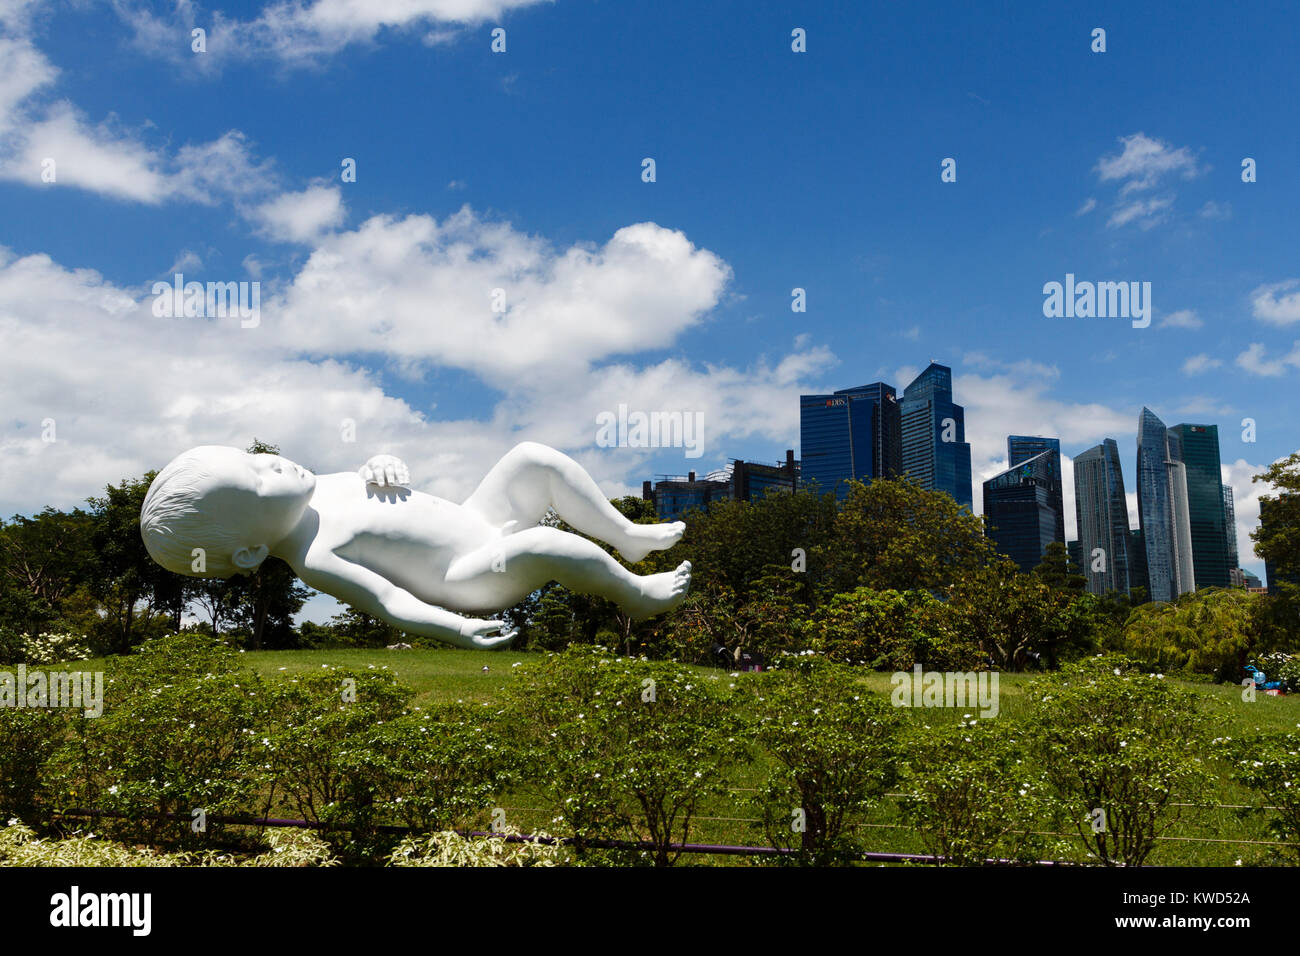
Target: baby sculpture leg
[504, 572]
[531, 478]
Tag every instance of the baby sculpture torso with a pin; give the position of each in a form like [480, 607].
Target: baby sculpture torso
[409, 537]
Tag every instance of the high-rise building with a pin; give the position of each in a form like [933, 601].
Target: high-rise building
[1162, 511]
[1101, 515]
[1021, 510]
[1230, 529]
[1021, 448]
[853, 433]
[1197, 447]
[935, 451]
[1181, 518]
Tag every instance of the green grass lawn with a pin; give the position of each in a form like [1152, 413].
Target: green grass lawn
[1202, 836]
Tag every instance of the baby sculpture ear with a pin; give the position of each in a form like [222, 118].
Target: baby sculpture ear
[249, 558]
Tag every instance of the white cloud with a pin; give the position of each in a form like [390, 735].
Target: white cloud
[424, 291]
[1182, 319]
[1270, 305]
[1200, 363]
[105, 157]
[1142, 164]
[1216, 210]
[1088, 206]
[1147, 213]
[1254, 360]
[1021, 368]
[1144, 161]
[301, 216]
[187, 259]
[298, 33]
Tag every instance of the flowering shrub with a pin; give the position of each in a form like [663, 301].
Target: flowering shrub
[973, 793]
[1119, 750]
[1269, 764]
[43, 649]
[833, 750]
[627, 748]
[313, 752]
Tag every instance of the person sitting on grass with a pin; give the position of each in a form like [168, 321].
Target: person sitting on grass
[401, 555]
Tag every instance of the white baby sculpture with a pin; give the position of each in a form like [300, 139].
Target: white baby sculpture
[402, 555]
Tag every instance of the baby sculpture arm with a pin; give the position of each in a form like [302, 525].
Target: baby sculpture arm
[376, 595]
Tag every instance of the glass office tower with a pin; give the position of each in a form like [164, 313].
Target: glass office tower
[935, 450]
[1162, 510]
[1197, 447]
[1021, 448]
[853, 433]
[1230, 529]
[1021, 509]
[1101, 513]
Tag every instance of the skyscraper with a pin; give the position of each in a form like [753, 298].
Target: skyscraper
[1181, 522]
[1021, 448]
[1101, 514]
[1162, 511]
[1022, 510]
[935, 451]
[1197, 447]
[853, 433]
[1230, 529]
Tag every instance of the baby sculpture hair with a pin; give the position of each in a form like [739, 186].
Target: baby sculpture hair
[406, 557]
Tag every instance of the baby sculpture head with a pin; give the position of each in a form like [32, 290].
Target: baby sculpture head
[217, 511]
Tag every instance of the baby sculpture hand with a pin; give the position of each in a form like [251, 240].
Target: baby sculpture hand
[386, 471]
[480, 634]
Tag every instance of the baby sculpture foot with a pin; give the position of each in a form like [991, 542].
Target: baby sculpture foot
[641, 539]
[662, 592]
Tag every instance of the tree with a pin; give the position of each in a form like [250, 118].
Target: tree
[1017, 620]
[1056, 570]
[894, 534]
[1278, 542]
[765, 618]
[44, 561]
[1211, 631]
[889, 630]
[126, 574]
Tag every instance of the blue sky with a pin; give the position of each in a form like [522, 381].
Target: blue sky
[521, 171]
